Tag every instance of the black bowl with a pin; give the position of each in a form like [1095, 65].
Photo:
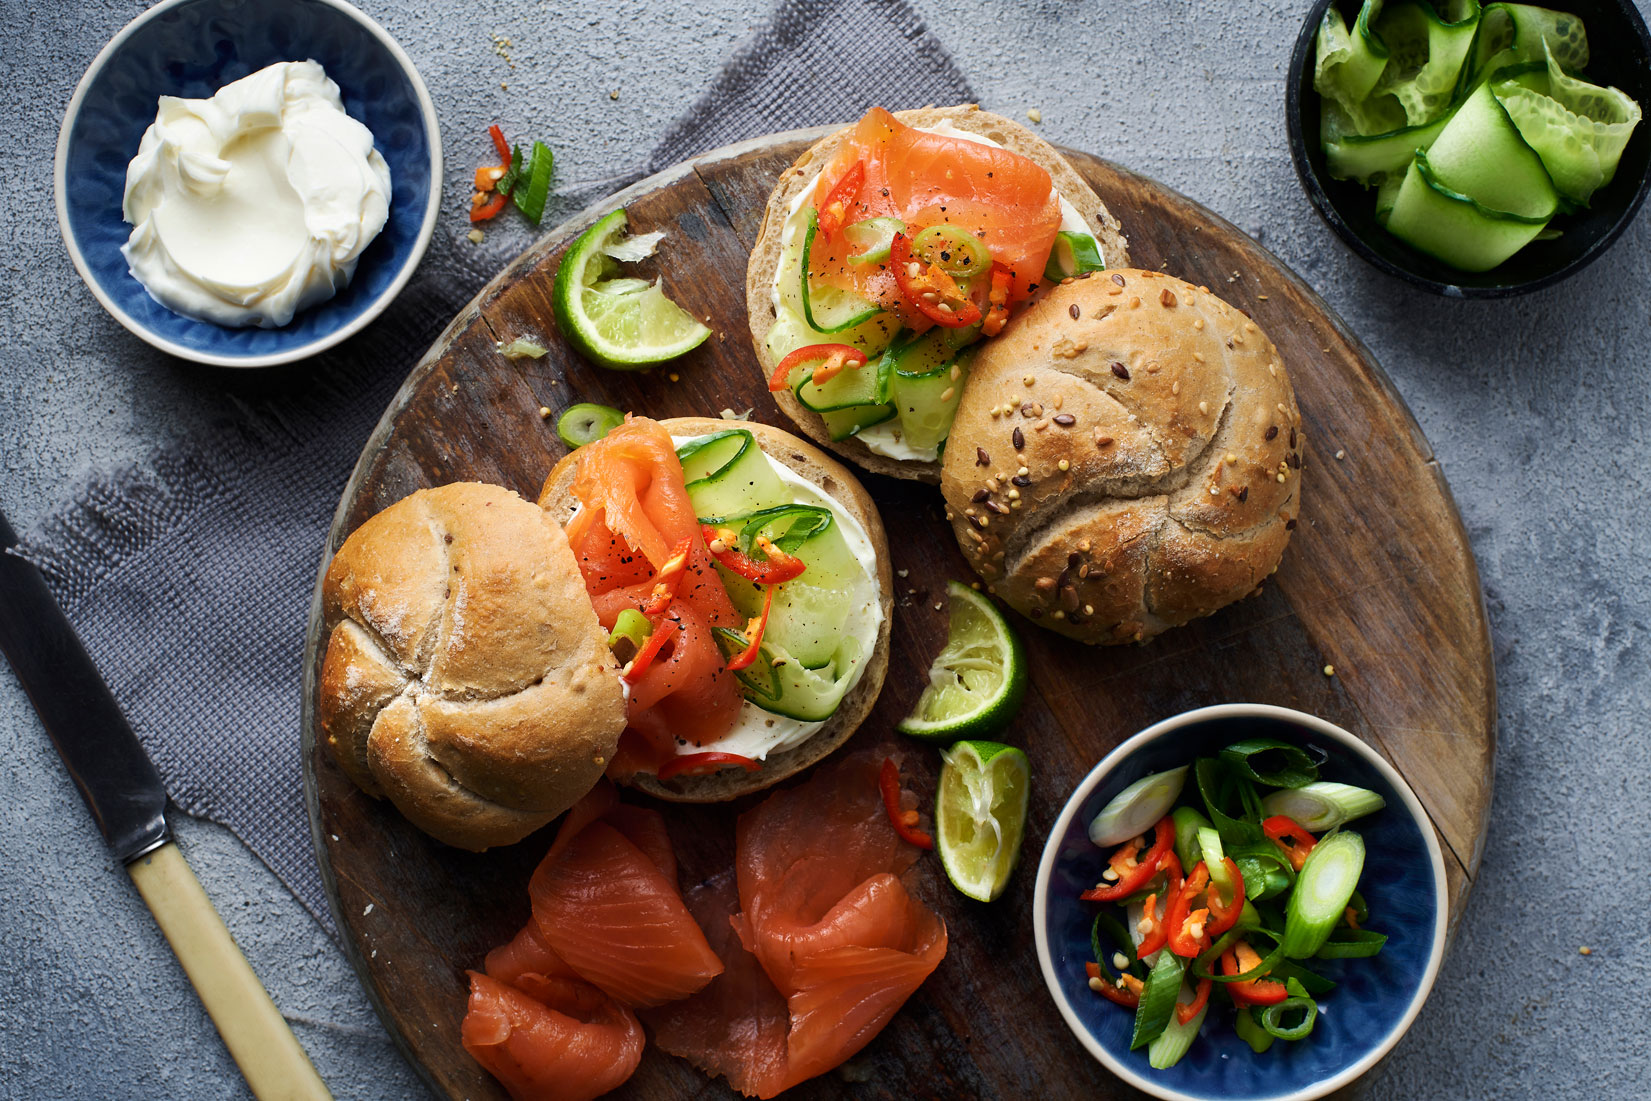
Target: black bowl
[1621, 51]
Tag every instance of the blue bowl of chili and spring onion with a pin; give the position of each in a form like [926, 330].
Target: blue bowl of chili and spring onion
[1477, 151]
[1297, 907]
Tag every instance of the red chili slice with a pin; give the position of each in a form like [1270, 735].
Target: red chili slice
[668, 579]
[483, 211]
[834, 210]
[1287, 834]
[998, 313]
[1134, 873]
[932, 293]
[1189, 932]
[1185, 1012]
[753, 635]
[500, 144]
[888, 780]
[650, 649]
[836, 357]
[1129, 996]
[702, 764]
[1258, 991]
[776, 568]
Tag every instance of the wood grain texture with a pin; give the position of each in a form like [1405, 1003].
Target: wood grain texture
[1379, 581]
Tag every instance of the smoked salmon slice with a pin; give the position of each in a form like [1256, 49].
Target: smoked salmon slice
[1006, 200]
[634, 512]
[608, 907]
[827, 944]
[566, 1042]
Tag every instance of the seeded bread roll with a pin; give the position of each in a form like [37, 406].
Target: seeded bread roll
[466, 676]
[815, 466]
[765, 256]
[1127, 457]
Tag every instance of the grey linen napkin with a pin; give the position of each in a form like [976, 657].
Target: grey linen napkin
[189, 577]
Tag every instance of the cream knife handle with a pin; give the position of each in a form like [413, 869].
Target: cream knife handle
[256, 1034]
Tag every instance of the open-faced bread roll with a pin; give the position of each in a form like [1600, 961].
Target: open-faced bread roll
[1127, 457]
[832, 478]
[466, 676]
[766, 256]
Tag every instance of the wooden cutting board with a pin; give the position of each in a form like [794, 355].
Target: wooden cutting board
[1379, 582]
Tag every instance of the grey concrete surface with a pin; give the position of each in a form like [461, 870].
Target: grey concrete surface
[1535, 406]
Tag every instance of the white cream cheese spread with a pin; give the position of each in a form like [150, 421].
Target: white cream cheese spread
[256, 203]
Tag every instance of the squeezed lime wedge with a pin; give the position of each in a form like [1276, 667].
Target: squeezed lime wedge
[977, 681]
[618, 322]
[980, 815]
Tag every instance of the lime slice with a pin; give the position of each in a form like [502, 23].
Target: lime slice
[980, 815]
[977, 682]
[622, 323]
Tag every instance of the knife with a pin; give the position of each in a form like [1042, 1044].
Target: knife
[126, 797]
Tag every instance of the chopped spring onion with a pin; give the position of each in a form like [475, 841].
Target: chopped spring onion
[872, 237]
[1266, 870]
[1206, 965]
[521, 348]
[630, 631]
[533, 184]
[1173, 1042]
[1323, 805]
[1217, 787]
[1113, 928]
[1157, 1008]
[1248, 1026]
[1272, 762]
[1323, 890]
[1134, 810]
[1351, 944]
[1072, 255]
[1273, 1017]
[1187, 824]
[587, 422]
[1209, 844]
[1288, 971]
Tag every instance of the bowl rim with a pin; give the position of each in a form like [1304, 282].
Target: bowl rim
[1125, 749]
[427, 228]
[1319, 197]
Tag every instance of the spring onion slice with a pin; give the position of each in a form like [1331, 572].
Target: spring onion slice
[1173, 1042]
[1272, 1018]
[874, 238]
[1137, 808]
[1323, 804]
[1072, 255]
[1351, 944]
[1314, 984]
[1323, 890]
[1105, 922]
[1187, 824]
[630, 629]
[1217, 796]
[1157, 1006]
[1248, 1026]
[533, 186]
[1204, 966]
[1209, 845]
[956, 250]
[1272, 762]
[587, 422]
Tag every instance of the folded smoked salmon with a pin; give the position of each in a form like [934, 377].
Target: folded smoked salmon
[768, 975]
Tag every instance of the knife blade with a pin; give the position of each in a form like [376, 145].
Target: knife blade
[127, 799]
[103, 756]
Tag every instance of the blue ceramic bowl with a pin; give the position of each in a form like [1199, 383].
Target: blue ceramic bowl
[192, 48]
[1375, 999]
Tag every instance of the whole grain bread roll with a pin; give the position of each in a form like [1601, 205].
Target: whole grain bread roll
[1127, 457]
[765, 256]
[815, 466]
[466, 677]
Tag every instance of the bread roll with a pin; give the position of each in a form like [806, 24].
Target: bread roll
[765, 256]
[1127, 457]
[466, 676]
[831, 476]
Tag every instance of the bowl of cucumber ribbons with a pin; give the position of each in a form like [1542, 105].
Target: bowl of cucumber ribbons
[1476, 150]
[1241, 902]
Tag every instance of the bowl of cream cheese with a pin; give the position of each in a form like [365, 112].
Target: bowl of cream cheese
[248, 183]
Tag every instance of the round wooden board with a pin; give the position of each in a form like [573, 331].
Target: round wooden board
[1379, 582]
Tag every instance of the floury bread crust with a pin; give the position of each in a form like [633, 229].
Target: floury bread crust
[1127, 457]
[466, 676]
[765, 256]
[834, 479]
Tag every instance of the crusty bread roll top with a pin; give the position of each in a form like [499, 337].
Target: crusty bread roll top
[1127, 457]
[832, 477]
[766, 255]
[466, 677]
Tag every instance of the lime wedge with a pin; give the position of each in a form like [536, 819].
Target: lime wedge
[622, 323]
[980, 815]
[977, 682]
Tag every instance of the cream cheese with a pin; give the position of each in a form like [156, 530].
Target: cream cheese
[256, 203]
[886, 438]
[757, 733]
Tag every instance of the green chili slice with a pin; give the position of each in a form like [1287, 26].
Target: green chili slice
[956, 251]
